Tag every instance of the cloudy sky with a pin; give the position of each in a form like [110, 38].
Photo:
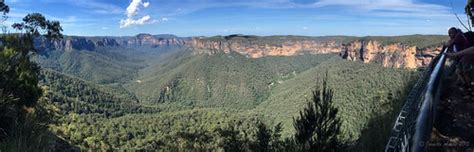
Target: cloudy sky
[256, 17]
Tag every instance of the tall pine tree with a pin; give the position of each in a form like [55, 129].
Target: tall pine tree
[318, 126]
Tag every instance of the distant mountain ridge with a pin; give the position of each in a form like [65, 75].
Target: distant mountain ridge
[91, 43]
[397, 51]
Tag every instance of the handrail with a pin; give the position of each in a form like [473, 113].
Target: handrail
[424, 121]
[414, 122]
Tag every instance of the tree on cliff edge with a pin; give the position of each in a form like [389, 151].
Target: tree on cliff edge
[23, 118]
[317, 127]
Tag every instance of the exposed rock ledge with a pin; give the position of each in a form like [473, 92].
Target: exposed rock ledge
[395, 55]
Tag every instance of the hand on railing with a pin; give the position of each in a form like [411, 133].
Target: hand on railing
[452, 55]
[467, 51]
[455, 53]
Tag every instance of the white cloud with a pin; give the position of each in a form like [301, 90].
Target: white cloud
[164, 19]
[127, 22]
[132, 11]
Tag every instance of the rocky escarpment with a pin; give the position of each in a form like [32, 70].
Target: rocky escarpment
[397, 52]
[395, 55]
[256, 47]
[77, 43]
[91, 43]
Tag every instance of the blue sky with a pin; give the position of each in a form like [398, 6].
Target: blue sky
[255, 17]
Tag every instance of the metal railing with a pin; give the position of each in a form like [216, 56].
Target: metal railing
[412, 128]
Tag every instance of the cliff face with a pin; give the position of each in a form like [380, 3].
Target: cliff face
[254, 48]
[91, 43]
[424, 56]
[393, 55]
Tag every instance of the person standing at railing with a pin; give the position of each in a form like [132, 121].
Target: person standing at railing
[456, 37]
[464, 62]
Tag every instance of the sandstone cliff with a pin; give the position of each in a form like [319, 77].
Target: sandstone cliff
[397, 52]
[256, 47]
[392, 55]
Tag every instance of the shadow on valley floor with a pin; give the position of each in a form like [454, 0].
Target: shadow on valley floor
[62, 145]
[374, 136]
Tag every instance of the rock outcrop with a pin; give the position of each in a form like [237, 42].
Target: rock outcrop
[425, 55]
[396, 55]
[392, 55]
[256, 47]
